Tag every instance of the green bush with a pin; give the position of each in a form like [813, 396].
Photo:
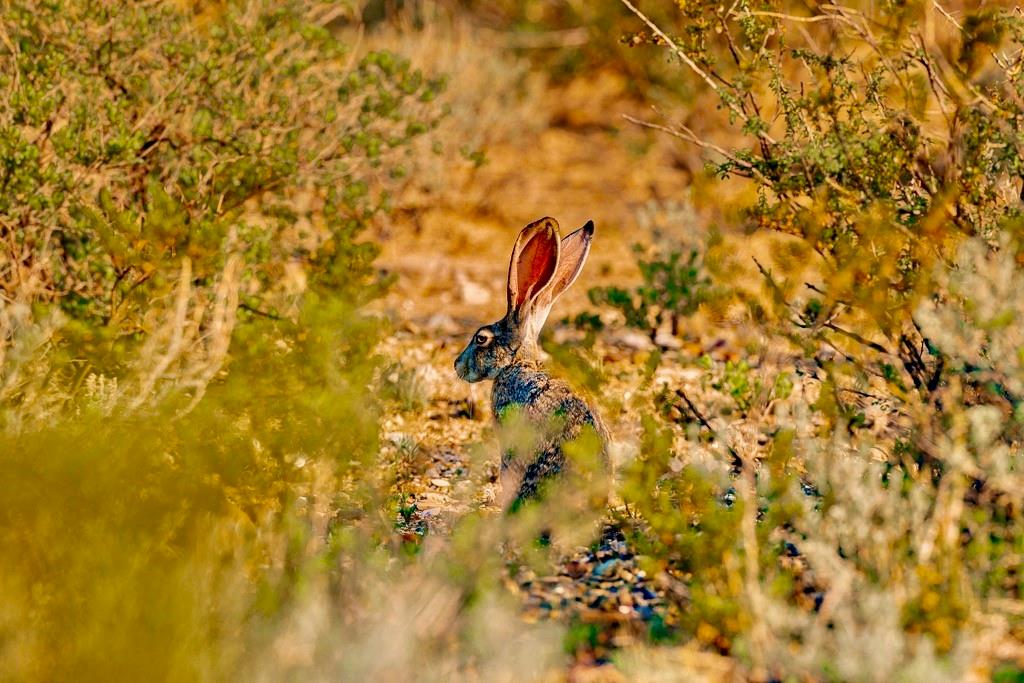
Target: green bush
[145, 152]
[673, 288]
[189, 446]
[157, 544]
[880, 146]
[866, 533]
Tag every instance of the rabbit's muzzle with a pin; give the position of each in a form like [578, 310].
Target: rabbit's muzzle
[466, 366]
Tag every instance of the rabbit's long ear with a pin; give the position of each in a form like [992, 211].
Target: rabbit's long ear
[572, 254]
[533, 265]
[574, 251]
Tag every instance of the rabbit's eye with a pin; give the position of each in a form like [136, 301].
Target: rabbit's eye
[483, 338]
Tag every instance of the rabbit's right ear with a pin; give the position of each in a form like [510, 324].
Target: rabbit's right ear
[533, 265]
[573, 254]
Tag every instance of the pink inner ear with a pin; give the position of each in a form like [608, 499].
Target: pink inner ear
[536, 265]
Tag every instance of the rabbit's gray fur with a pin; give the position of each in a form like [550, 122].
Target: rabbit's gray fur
[542, 267]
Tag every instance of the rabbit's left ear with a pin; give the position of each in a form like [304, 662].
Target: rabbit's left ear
[533, 265]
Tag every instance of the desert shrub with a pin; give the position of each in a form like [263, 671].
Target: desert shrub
[147, 153]
[189, 445]
[673, 287]
[870, 523]
[143, 544]
[879, 145]
[250, 538]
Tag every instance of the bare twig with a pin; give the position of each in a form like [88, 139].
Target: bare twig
[679, 52]
[696, 413]
[874, 346]
[685, 133]
[950, 17]
[737, 461]
[787, 17]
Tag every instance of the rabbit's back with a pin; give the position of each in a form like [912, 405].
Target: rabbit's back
[553, 410]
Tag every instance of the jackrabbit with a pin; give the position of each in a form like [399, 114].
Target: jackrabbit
[542, 267]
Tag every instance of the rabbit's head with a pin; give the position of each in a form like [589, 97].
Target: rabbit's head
[542, 267]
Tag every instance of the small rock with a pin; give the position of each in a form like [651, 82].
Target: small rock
[606, 568]
[395, 437]
[631, 340]
[471, 292]
[576, 569]
[665, 340]
[443, 323]
[430, 500]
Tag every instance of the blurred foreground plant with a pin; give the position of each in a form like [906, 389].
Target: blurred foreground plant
[189, 457]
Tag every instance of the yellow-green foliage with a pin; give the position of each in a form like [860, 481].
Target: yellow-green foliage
[880, 134]
[894, 152]
[173, 190]
[138, 544]
[253, 145]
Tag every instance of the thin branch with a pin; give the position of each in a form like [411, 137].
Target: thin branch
[679, 52]
[946, 14]
[864, 394]
[685, 133]
[787, 17]
[733, 50]
[934, 81]
[874, 346]
[821, 291]
[737, 461]
[696, 413]
[777, 295]
[259, 312]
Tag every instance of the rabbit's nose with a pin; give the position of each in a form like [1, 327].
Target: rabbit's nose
[462, 365]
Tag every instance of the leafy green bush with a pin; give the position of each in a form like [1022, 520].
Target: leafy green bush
[137, 545]
[880, 146]
[673, 288]
[146, 153]
[866, 534]
[189, 445]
